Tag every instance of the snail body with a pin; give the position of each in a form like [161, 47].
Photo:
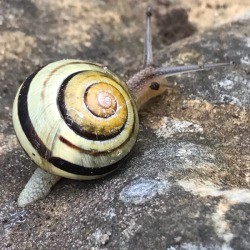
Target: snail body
[78, 120]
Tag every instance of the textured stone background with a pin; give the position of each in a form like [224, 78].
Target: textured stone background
[187, 184]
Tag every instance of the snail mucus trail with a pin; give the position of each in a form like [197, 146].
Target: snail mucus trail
[78, 120]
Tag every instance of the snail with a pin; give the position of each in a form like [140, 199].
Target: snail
[77, 119]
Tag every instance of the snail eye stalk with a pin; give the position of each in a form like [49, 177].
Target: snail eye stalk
[148, 54]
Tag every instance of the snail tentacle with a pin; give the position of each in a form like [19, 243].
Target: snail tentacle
[141, 86]
[177, 70]
[148, 54]
[38, 186]
[151, 80]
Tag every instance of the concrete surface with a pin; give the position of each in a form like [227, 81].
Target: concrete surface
[187, 183]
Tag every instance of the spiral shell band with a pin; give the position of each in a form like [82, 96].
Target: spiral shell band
[85, 111]
[50, 140]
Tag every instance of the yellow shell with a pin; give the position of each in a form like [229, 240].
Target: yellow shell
[75, 119]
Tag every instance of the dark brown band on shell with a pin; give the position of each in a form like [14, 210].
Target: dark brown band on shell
[25, 121]
[52, 73]
[80, 170]
[72, 124]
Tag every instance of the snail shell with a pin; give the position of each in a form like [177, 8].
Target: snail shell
[75, 119]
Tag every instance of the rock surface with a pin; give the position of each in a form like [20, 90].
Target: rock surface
[187, 185]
